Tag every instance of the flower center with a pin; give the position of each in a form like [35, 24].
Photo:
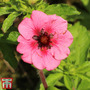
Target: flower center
[44, 39]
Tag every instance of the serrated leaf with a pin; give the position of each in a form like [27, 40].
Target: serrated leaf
[68, 82]
[52, 79]
[8, 54]
[9, 21]
[5, 10]
[61, 9]
[52, 88]
[80, 44]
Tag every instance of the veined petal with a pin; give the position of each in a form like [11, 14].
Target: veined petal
[21, 39]
[48, 26]
[50, 62]
[26, 28]
[39, 19]
[59, 25]
[25, 47]
[65, 39]
[27, 57]
[38, 61]
[60, 52]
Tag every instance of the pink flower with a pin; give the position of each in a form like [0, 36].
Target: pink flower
[44, 40]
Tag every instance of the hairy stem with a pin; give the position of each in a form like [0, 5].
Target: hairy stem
[42, 77]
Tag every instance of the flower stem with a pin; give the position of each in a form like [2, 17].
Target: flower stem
[42, 77]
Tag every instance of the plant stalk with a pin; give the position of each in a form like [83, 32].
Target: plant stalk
[42, 77]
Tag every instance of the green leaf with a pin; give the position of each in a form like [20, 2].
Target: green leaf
[80, 44]
[86, 17]
[69, 25]
[1, 33]
[5, 10]
[52, 79]
[9, 21]
[9, 37]
[86, 3]
[68, 82]
[12, 37]
[84, 85]
[85, 67]
[1, 87]
[83, 77]
[61, 9]
[58, 83]
[76, 82]
[8, 54]
[52, 88]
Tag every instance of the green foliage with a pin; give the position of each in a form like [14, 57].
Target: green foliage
[10, 37]
[13, 36]
[85, 85]
[8, 54]
[68, 82]
[52, 79]
[61, 10]
[1, 87]
[79, 47]
[9, 21]
[86, 3]
[85, 67]
[6, 47]
[52, 88]
[5, 10]
[85, 19]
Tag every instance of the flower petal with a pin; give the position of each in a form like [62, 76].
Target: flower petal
[39, 19]
[23, 48]
[48, 26]
[59, 25]
[60, 52]
[65, 39]
[27, 46]
[50, 62]
[26, 28]
[38, 61]
[27, 58]
[22, 39]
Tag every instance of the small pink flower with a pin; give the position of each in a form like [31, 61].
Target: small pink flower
[44, 40]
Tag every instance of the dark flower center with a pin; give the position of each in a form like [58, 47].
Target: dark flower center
[44, 39]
